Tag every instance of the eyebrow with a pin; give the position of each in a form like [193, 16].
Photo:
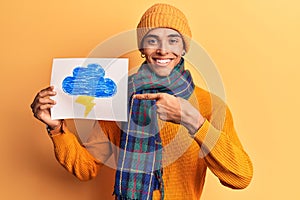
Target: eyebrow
[156, 36]
[174, 35]
[151, 35]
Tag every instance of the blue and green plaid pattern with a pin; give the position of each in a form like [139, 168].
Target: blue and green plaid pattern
[139, 170]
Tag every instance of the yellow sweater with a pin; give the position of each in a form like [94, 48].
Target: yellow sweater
[185, 157]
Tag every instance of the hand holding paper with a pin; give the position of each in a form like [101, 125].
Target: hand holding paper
[41, 106]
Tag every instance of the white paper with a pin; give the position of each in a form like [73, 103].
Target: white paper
[83, 92]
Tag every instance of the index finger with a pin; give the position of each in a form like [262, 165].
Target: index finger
[49, 91]
[147, 96]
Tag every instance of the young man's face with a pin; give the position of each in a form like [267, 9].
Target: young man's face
[163, 48]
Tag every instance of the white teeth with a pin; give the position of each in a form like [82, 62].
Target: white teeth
[164, 61]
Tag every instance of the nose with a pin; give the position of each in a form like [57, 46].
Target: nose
[163, 48]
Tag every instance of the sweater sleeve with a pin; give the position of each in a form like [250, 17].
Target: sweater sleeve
[75, 158]
[222, 150]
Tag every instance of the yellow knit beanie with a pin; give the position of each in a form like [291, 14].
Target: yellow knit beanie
[164, 16]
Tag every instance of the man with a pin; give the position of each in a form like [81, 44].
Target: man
[175, 129]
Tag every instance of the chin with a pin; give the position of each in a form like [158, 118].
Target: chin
[162, 73]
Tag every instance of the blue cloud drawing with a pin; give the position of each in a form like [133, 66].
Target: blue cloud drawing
[89, 81]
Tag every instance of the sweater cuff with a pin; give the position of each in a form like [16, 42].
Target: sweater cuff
[57, 131]
[64, 138]
[207, 137]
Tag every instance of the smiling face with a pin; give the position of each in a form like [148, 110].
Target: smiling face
[163, 48]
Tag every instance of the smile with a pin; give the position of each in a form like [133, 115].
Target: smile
[163, 61]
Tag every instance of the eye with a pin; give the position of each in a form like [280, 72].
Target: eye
[173, 40]
[152, 41]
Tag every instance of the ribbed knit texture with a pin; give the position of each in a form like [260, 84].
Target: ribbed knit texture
[185, 158]
[164, 16]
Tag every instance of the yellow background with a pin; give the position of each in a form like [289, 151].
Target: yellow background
[254, 43]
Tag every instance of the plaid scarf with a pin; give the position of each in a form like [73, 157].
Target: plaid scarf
[139, 170]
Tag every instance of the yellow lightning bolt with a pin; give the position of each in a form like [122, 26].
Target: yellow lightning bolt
[87, 101]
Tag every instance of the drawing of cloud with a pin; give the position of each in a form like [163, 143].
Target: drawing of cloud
[89, 81]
